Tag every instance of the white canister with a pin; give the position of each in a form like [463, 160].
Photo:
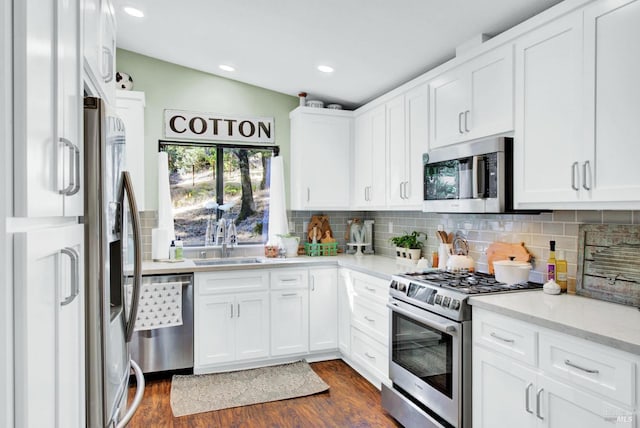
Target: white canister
[290, 245]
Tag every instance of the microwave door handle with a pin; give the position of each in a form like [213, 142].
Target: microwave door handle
[475, 191]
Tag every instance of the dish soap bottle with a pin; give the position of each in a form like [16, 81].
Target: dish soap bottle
[172, 250]
[179, 249]
[561, 271]
[551, 263]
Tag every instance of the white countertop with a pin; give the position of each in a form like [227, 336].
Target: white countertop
[609, 324]
[382, 267]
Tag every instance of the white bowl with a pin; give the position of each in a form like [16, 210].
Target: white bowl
[315, 103]
[334, 106]
[511, 272]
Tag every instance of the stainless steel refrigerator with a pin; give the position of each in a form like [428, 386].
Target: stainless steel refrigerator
[113, 248]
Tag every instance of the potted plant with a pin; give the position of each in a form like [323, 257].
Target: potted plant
[409, 246]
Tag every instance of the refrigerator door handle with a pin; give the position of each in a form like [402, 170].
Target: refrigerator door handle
[137, 399]
[75, 275]
[127, 188]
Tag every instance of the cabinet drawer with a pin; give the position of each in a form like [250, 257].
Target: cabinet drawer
[372, 318]
[371, 354]
[370, 287]
[225, 282]
[289, 278]
[589, 365]
[505, 335]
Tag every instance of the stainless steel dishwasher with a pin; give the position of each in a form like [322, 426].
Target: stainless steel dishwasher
[168, 348]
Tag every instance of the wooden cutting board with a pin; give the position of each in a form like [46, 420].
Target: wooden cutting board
[503, 250]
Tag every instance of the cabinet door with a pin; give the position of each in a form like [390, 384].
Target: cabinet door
[396, 152]
[38, 167]
[345, 308]
[362, 159]
[564, 406]
[548, 120]
[69, 104]
[320, 148]
[490, 108]
[49, 379]
[108, 51]
[377, 193]
[214, 334]
[448, 95]
[323, 309]
[289, 322]
[252, 325]
[609, 167]
[417, 143]
[91, 11]
[503, 392]
[130, 105]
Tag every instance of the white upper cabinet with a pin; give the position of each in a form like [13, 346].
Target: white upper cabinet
[100, 47]
[47, 109]
[608, 167]
[369, 163]
[407, 141]
[320, 158]
[548, 142]
[473, 100]
[577, 103]
[130, 105]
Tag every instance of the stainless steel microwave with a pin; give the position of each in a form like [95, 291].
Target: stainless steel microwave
[471, 177]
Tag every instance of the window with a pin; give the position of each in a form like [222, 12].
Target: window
[213, 181]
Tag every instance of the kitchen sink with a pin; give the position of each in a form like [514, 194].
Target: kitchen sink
[227, 262]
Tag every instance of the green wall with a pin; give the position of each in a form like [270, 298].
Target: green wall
[170, 86]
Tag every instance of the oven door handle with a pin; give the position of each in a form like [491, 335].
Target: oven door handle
[429, 321]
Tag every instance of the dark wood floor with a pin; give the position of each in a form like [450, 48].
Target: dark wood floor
[350, 402]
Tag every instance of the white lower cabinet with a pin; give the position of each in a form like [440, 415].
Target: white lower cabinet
[364, 325]
[289, 321]
[230, 327]
[323, 309]
[565, 382]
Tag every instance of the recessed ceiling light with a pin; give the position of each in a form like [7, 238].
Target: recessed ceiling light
[133, 11]
[226, 67]
[325, 69]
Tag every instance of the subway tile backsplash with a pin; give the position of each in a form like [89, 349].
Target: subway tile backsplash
[480, 230]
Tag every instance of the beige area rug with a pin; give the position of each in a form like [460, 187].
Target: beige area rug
[203, 393]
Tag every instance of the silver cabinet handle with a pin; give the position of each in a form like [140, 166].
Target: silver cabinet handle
[527, 399]
[238, 310]
[538, 414]
[584, 175]
[401, 190]
[308, 194]
[372, 357]
[369, 319]
[406, 190]
[313, 283]
[502, 338]
[75, 275]
[107, 75]
[231, 309]
[584, 369]
[460, 123]
[289, 294]
[466, 121]
[74, 169]
[366, 287]
[574, 171]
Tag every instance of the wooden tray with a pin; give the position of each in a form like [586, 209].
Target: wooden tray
[504, 250]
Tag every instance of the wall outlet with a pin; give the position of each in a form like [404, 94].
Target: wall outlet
[390, 227]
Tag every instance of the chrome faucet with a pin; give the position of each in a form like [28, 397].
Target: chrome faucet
[226, 238]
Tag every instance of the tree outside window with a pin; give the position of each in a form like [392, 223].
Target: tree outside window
[212, 181]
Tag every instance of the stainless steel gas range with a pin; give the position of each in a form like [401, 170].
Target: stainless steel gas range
[430, 346]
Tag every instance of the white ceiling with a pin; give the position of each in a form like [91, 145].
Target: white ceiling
[374, 45]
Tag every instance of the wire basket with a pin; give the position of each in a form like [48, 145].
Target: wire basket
[320, 249]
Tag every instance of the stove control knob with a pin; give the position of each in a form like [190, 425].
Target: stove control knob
[455, 304]
[445, 301]
[438, 299]
[394, 285]
[402, 287]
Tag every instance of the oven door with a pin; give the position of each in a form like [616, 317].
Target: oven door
[425, 358]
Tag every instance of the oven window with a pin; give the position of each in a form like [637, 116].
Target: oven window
[425, 352]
